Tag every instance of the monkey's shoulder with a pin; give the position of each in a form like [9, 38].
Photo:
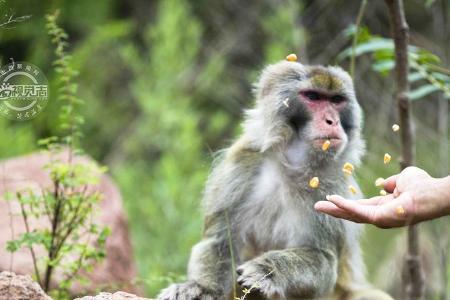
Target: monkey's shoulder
[243, 151]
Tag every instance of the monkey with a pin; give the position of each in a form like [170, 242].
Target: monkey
[258, 206]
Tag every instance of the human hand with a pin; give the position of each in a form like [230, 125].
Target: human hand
[416, 196]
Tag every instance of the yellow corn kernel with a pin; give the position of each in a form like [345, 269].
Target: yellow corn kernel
[348, 168]
[314, 182]
[347, 172]
[352, 189]
[387, 158]
[291, 57]
[400, 210]
[326, 145]
[379, 182]
[383, 193]
[395, 127]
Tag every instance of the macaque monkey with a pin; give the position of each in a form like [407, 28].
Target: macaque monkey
[259, 206]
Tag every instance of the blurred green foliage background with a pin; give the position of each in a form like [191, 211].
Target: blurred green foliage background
[165, 84]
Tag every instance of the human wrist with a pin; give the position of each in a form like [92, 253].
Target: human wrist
[444, 192]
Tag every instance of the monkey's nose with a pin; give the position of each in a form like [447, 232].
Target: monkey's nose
[332, 122]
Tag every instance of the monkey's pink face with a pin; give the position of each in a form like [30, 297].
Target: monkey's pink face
[325, 111]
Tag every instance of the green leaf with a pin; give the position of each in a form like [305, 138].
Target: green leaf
[13, 246]
[377, 44]
[422, 91]
[47, 141]
[416, 76]
[384, 66]
[426, 57]
[364, 34]
[372, 45]
[441, 76]
[9, 196]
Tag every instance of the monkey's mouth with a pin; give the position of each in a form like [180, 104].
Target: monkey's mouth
[335, 141]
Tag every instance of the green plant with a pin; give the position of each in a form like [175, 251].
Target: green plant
[169, 130]
[425, 74]
[72, 241]
[9, 18]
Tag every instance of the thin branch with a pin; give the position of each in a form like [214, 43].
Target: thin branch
[11, 227]
[444, 87]
[27, 228]
[82, 255]
[437, 68]
[46, 207]
[55, 223]
[362, 8]
[413, 280]
[11, 20]
[72, 224]
[11, 223]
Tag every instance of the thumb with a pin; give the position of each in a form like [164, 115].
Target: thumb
[390, 183]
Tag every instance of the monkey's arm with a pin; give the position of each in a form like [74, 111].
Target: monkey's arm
[210, 264]
[305, 272]
[210, 267]
[210, 261]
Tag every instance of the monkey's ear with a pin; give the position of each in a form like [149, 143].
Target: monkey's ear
[275, 74]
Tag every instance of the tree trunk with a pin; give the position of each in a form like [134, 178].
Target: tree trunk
[413, 279]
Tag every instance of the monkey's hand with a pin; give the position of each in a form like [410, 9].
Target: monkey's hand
[304, 272]
[258, 276]
[190, 290]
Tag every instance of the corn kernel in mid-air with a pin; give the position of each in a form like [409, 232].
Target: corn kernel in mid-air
[387, 158]
[352, 189]
[348, 168]
[395, 127]
[326, 145]
[291, 57]
[314, 182]
[383, 193]
[400, 210]
[379, 182]
[347, 172]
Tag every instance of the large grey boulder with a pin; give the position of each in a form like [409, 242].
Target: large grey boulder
[20, 287]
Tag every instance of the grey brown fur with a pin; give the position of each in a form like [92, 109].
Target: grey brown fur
[258, 195]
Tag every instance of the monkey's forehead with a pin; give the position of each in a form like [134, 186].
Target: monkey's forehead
[330, 79]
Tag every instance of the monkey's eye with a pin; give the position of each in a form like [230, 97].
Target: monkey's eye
[337, 99]
[311, 95]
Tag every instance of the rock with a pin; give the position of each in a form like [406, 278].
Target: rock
[115, 296]
[20, 287]
[118, 270]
